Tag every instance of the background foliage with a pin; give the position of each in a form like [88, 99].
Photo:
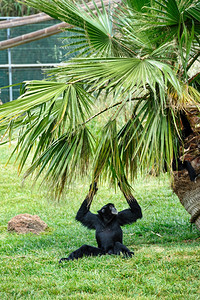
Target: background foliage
[13, 8]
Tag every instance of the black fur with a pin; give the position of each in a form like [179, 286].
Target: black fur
[178, 165]
[107, 223]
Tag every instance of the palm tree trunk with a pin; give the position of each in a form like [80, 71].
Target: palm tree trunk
[189, 195]
[187, 191]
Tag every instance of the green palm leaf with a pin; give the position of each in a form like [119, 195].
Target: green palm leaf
[64, 158]
[138, 6]
[107, 161]
[125, 73]
[159, 24]
[36, 94]
[54, 108]
[193, 10]
[93, 31]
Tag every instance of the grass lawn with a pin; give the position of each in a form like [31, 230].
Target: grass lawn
[166, 264]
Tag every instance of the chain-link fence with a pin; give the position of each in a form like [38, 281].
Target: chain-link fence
[28, 61]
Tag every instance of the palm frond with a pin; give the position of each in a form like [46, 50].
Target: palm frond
[160, 23]
[36, 94]
[40, 121]
[93, 31]
[65, 158]
[193, 10]
[107, 161]
[138, 6]
[121, 72]
[69, 99]
[147, 140]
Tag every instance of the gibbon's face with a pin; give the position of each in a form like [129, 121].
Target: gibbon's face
[108, 210]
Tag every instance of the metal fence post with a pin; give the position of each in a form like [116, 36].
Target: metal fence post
[10, 67]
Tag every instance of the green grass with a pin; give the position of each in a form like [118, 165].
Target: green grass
[166, 246]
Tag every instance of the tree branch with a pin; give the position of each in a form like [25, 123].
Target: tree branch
[33, 36]
[193, 77]
[32, 19]
[109, 107]
[193, 60]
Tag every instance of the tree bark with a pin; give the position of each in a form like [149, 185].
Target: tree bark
[187, 191]
[189, 195]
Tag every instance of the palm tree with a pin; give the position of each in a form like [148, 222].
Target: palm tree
[137, 65]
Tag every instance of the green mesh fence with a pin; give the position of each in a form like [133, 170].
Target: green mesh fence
[45, 51]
